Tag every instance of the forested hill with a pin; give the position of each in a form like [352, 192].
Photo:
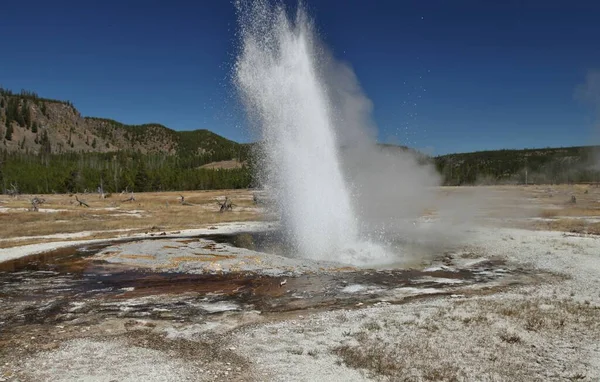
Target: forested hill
[541, 166]
[31, 124]
[47, 146]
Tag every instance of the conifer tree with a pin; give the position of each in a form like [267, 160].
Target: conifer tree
[26, 115]
[9, 132]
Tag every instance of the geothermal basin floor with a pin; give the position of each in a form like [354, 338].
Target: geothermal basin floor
[511, 304]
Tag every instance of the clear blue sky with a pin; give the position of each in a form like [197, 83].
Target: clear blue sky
[446, 76]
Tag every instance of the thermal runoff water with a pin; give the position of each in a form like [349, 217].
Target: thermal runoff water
[279, 79]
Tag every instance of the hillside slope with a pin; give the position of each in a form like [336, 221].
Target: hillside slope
[31, 124]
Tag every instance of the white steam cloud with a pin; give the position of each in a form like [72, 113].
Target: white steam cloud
[391, 186]
[589, 94]
[340, 194]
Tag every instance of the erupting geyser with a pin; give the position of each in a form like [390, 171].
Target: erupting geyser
[280, 81]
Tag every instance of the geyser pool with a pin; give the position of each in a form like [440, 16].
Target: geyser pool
[279, 79]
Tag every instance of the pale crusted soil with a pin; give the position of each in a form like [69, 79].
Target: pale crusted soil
[546, 330]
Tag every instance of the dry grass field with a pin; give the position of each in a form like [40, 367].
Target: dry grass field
[61, 217]
[558, 213]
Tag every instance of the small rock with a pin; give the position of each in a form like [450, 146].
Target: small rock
[50, 346]
[382, 303]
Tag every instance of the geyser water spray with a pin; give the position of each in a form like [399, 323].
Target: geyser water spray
[278, 75]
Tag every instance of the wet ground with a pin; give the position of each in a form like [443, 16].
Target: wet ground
[63, 308]
[71, 285]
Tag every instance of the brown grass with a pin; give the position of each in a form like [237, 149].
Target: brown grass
[510, 338]
[159, 212]
[571, 211]
[530, 315]
[183, 259]
[550, 213]
[134, 257]
[554, 202]
[569, 225]
[413, 360]
[423, 348]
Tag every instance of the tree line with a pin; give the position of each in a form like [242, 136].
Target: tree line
[32, 96]
[533, 166]
[48, 172]
[115, 172]
[17, 109]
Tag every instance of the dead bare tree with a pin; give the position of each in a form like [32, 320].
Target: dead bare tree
[13, 191]
[258, 200]
[100, 190]
[36, 202]
[82, 203]
[130, 199]
[183, 202]
[39, 200]
[226, 205]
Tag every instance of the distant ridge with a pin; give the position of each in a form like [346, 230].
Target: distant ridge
[32, 124]
[543, 166]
